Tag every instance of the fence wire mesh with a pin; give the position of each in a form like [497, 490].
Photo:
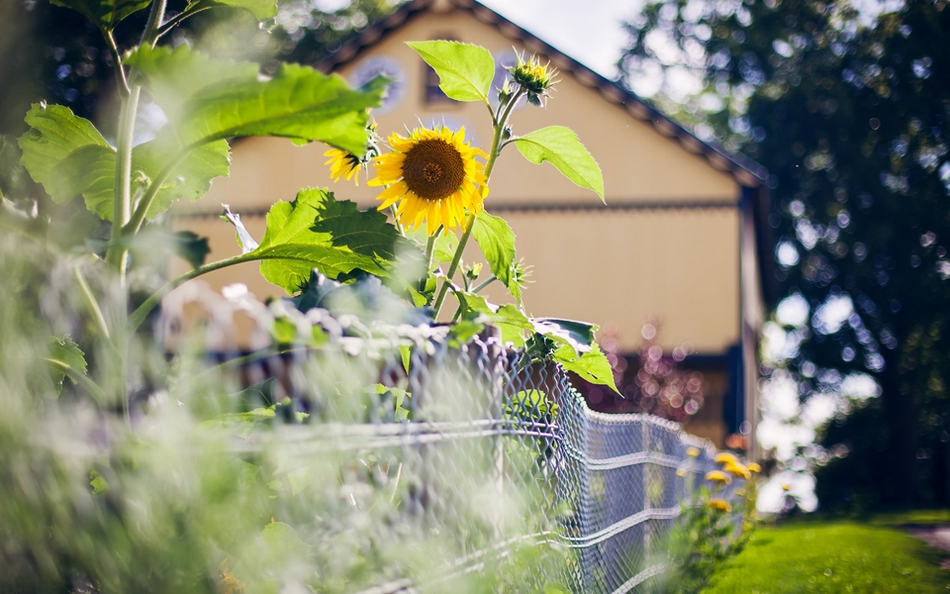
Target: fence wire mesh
[477, 463]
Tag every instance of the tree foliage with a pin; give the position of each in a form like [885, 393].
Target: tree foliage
[849, 112]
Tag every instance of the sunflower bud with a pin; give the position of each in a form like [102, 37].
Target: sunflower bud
[533, 77]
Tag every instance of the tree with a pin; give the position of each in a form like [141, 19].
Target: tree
[850, 115]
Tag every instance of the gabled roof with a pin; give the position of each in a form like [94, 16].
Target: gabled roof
[746, 171]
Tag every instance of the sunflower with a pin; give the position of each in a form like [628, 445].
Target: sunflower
[343, 164]
[434, 177]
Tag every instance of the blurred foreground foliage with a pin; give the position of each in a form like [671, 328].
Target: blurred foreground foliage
[201, 493]
[129, 465]
[59, 55]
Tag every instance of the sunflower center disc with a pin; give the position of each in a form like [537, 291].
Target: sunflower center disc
[433, 169]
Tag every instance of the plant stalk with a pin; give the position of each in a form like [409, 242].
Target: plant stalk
[487, 282]
[97, 316]
[122, 184]
[178, 18]
[120, 77]
[470, 222]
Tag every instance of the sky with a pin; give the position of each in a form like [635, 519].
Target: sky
[588, 31]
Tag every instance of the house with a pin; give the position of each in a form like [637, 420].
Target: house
[680, 237]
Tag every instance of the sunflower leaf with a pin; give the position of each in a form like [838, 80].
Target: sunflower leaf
[67, 155]
[508, 319]
[497, 242]
[560, 147]
[579, 334]
[191, 247]
[465, 70]
[592, 365]
[317, 231]
[106, 14]
[207, 99]
[68, 356]
[191, 179]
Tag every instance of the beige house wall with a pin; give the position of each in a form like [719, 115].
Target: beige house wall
[611, 266]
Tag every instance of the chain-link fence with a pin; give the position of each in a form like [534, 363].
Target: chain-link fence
[487, 460]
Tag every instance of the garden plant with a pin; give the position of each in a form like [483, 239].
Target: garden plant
[116, 465]
[715, 523]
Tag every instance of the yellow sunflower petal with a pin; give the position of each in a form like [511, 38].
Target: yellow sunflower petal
[444, 182]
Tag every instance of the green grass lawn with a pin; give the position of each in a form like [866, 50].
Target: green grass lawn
[831, 557]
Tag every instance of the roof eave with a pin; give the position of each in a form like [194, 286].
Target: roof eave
[746, 171]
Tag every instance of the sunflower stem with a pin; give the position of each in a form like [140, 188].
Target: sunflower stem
[430, 246]
[487, 282]
[430, 249]
[469, 225]
[496, 147]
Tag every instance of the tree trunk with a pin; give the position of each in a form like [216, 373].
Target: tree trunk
[898, 472]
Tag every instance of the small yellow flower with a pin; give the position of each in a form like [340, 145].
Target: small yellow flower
[434, 177]
[719, 505]
[681, 472]
[737, 470]
[740, 492]
[753, 467]
[692, 452]
[343, 164]
[718, 476]
[786, 487]
[725, 458]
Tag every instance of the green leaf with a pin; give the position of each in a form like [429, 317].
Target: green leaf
[207, 99]
[497, 242]
[579, 334]
[67, 155]
[98, 483]
[508, 319]
[106, 14]
[463, 331]
[261, 9]
[444, 249]
[333, 236]
[281, 546]
[69, 355]
[591, 365]
[465, 70]
[191, 247]
[560, 147]
[190, 179]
